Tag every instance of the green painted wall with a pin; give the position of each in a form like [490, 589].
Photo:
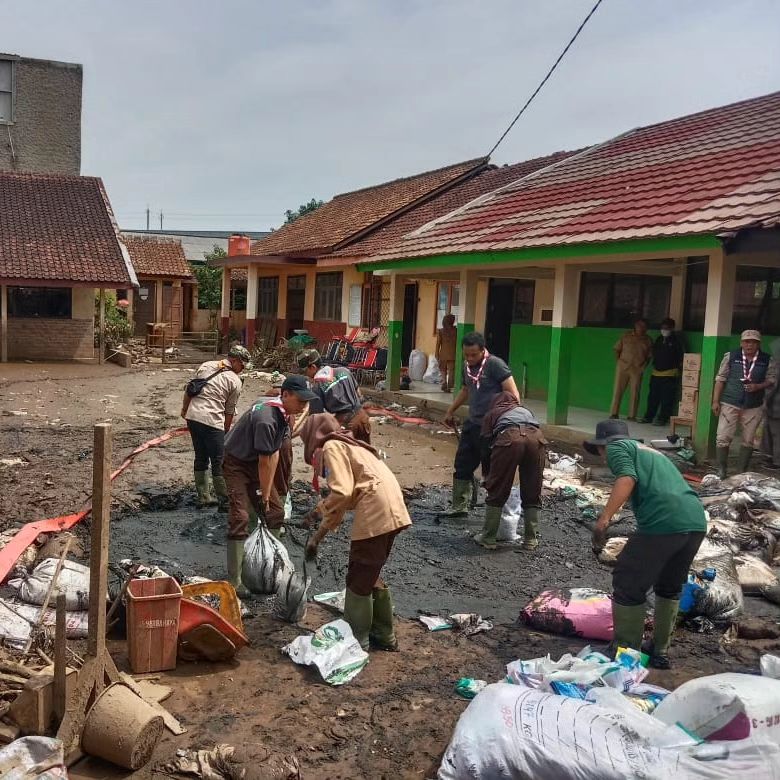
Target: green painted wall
[395, 337]
[530, 344]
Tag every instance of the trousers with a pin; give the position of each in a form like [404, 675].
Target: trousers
[516, 449]
[660, 400]
[730, 418]
[366, 559]
[470, 452]
[209, 446]
[626, 376]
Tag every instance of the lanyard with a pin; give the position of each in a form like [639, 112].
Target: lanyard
[747, 371]
[475, 378]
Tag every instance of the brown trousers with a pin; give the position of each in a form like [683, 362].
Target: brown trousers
[516, 448]
[447, 370]
[366, 559]
[243, 484]
[359, 424]
[625, 376]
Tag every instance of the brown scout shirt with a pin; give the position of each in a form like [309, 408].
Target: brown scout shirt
[633, 351]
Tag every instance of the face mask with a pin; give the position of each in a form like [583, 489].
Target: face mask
[666, 333]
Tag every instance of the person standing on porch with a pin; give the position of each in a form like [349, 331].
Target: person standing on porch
[667, 362]
[446, 340]
[744, 376]
[632, 350]
[770, 443]
[484, 377]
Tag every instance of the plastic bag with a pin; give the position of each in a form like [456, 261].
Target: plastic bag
[333, 599]
[73, 581]
[770, 666]
[720, 599]
[753, 573]
[725, 707]
[432, 374]
[288, 508]
[417, 365]
[17, 619]
[291, 598]
[582, 612]
[612, 549]
[333, 649]
[510, 517]
[33, 758]
[266, 562]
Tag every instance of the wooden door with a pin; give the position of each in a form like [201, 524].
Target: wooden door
[144, 306]
[172, 308]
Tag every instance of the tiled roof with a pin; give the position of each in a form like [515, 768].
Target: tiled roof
[155, 256]
[711, 172]
[59, 228]
[483, 181]
[350, 213]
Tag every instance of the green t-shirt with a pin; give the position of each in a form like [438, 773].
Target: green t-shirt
[663, 502]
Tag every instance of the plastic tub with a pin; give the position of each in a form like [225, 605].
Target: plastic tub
[153, 607]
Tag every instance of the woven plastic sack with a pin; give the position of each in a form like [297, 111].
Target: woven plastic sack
[720, 599]
[510, 517]
[73, 581]
[266, 562]
[291, 598]
[581, 612]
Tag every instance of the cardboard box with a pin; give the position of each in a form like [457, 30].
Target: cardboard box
[688, 411]
[689, 395]
[690, 379]
[691, 361]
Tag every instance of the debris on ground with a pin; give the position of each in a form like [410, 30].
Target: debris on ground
[333, 599]
[468, 687]
[219, 763]
[469, 623]
[33, 758]
[581, 612]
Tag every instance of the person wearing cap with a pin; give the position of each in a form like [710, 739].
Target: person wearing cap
[253, 450]
[632, 351]
[670, 527]
[338, 393]
[744, 376]
[209, 415]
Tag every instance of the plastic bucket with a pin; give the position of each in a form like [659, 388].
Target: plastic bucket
[122, 728]
[153, 623]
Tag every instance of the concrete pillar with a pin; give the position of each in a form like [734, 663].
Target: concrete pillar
[224, 313]
[565, 307]
[3, 324]
[251, 304]
[102, 327]
[130, 309]
[158, 301]
[281, 300]
[721, 278]
[468, 314]
[677, 301]
[395, 331]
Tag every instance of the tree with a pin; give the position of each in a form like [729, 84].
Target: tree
[304, 208]
[210, 284]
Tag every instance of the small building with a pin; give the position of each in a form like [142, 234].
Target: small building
[59, 246]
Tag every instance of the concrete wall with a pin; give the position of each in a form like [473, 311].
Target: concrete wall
[46, 131]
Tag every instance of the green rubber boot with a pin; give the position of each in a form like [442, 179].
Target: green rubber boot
[204, 493]
[629, 625]
[722, 461]
[530, 527]
[487, 536]
[235, 559]
[743, 459]
[382, 635]
[359, 613]
[221, 491]
[461, 498]
[665, 619]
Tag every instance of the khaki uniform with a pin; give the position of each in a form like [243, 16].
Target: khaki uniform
[633, 354]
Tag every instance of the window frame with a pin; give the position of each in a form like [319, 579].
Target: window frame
[268, 295]
[328, 297]
[611, 280]
[12, 63]
[451, 285]
[40, 291]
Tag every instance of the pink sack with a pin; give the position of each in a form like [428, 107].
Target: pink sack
[582, 612]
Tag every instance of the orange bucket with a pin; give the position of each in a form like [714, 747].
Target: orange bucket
[153, 607]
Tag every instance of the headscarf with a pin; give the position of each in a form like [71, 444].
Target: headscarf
[321, 428]
[504, 402]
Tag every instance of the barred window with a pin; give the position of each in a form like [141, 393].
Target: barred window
[327, 296]
[44, 302]
[268, 296]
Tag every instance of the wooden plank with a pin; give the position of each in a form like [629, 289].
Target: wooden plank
[60, 660]
[102, 327]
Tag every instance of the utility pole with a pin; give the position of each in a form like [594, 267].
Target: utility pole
[148, 214]
[161, 219]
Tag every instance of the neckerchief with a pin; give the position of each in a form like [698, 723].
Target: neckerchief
[273, 402]
[746, 372]
[476, 378]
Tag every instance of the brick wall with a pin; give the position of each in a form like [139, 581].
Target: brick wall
[55, 339]
[46, 130]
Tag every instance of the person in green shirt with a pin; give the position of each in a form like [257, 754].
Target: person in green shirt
[671, 525]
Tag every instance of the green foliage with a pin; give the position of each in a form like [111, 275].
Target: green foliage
[118, 328]
[210, 284]
[304, 208]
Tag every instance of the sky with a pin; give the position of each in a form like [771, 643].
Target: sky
[224, 114]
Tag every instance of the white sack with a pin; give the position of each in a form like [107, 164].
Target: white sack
[266, 562]
[417, 365]
[73, 581]
[17, 619]
[510, 517]
[33, 758]
[753, 573]
[432, 374]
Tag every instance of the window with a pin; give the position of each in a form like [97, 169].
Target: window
[756, 299]
[523, 306]
[268, 296]
[44, 302]
[238, 298]
[376, 302]
[327, 296]
[447, 302]
[695, 293]
[617, 300]
[6, 91]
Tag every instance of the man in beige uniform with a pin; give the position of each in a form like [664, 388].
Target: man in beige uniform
[633, 351]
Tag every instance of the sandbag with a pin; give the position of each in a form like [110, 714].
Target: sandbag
[720, 599]
[291, 598]
[417, 365]
[73, 581]
[581, 612]
[753, 574]
[432, 373]
[510, 517]
[33, 758]
[725, 707]
[17, 619]
[266, 562]
[509, 731]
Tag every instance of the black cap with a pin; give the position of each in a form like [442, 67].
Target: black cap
[295, 383]
[606, 431]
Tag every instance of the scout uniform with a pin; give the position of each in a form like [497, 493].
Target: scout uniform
[633, 354]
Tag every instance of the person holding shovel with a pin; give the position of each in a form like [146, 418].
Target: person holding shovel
[670, 527]
[358, 480]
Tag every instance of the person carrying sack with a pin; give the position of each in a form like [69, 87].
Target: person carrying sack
[358, 480]
[208, 406]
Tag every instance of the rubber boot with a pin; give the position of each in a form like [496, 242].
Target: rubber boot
[204, 493]
[665, 619]
[235, 559]
[722, 460]
[743, 459]
[359, 613]
[461, 497]
[487, 536]
[530, 527]
[221, 491]
[629, 625]
[382, 635]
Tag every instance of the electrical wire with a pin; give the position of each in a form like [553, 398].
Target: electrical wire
[544, 80]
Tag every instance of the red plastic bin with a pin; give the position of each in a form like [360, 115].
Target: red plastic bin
[153, 607]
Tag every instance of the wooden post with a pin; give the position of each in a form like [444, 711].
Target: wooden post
[98, 554]
[102, 327]
[3, 324]
[60, 660]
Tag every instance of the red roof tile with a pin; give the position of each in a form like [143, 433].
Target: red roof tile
[155, 256]
[59, 228]
[350, 213]
[711, 172]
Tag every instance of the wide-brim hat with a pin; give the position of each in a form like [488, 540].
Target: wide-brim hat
[607, 431]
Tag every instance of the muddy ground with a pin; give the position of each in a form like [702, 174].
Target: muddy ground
[395, 719]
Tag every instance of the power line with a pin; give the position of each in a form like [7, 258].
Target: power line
[544, 80]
